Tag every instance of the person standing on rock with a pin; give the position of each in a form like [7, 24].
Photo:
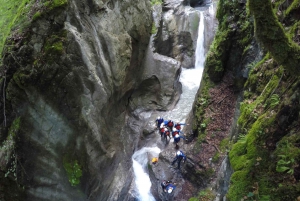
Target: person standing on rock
[178, 125]
[162, 130]
[159, 121]
[177, 139]
[167, 134]
[174, 132]
[170, 125]
[178, 157]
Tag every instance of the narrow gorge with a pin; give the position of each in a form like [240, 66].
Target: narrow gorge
[82, 83]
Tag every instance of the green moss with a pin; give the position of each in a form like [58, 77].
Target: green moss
[201, 104]
[204, 195]
[74, 171]
[36, 15]
[264, 82]
[216, 157]
[9, 143]
[194, 199]
[52, 4]
[237, 156]
[216, 55]
[59, 3]
[225, 144]
[293, 31]
[54, 46]
[156, 2]
[271, 34]
[20, 77]
[248, 154]
[240, 185]
[153, 29]
[294, 6]
[14, 128]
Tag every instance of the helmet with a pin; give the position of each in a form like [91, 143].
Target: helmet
[174, 129]
[158, 117]
[178, 153]
[176, 136]
[170, 190]
[161, 125]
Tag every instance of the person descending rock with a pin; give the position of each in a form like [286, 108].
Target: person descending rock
[174, 132]
[178, 125]
[170, 188]
[177, 138]
[159, 121]
[164, 184]
[167, 134]
[162, 130]
[178, 157]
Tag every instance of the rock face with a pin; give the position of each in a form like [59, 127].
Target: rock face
[178, 33]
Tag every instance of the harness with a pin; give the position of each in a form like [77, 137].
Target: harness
[170, 124]
[177, 126]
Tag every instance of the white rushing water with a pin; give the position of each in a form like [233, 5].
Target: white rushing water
[190, 79]
[142, 181]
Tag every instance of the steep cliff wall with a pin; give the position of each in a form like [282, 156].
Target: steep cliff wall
[71, 71]
[264, 128]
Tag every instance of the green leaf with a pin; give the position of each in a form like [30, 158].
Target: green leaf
[283, 162]
[282, 168]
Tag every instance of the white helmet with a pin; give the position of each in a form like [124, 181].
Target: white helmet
[176, 136]
[161, 125]
[178, 153]
[170, 190]
[174, 129]
[158, 117]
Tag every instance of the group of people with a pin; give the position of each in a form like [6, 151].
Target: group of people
[168, 129]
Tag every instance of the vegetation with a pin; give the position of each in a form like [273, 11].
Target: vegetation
[153, 29]
[204, 195]
[228, 32]
[202, 102]
[294, 7]
[156, 2]
[8, 148]
[271, 34]
[265, 157]
[74, 171]
[10, 12]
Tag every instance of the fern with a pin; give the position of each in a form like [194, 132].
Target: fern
[274, 100]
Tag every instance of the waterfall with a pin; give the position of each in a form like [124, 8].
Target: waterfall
[142, 181]
[190, 79]
[199, 55]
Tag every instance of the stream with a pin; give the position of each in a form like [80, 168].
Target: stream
[190, 79]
